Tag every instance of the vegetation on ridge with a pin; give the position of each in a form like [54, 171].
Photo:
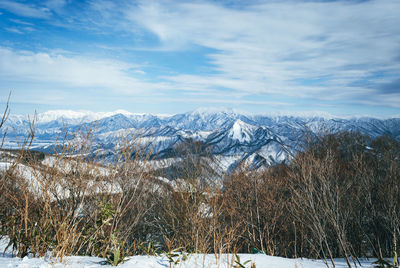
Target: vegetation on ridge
[338, 197]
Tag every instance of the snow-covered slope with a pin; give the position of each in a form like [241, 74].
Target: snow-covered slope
[259, 139]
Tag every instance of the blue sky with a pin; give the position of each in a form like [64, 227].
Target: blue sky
[338, 57]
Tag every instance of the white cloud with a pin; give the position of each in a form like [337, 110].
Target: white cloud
[391, 100]
[70, 71]
[335, 52]
[55, 4]
[13, 30]
[279, 47]
[21, 22]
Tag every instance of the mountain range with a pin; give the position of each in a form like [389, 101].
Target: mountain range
[232, 137]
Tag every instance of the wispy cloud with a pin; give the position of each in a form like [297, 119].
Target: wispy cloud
[272, 53]
[17, 21]
[71, 71]
[56, 5]
[25, 10]
[309, 49]
[13, 30]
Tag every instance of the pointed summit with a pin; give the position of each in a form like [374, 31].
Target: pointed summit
[241, 131]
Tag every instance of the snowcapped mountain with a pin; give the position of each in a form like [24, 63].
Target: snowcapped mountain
[241, 131]
[205, 120]
[231, 135]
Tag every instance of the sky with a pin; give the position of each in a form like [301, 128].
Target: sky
[335, 57]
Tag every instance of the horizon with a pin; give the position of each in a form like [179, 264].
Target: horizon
[78, 114]
[339, 58]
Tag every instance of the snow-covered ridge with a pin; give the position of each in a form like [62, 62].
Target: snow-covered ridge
[71, 116]
[78, 116]
[230, 134]
[85, 116]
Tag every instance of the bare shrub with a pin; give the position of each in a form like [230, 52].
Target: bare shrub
[255, 202]
[383, 199]
[70, 204]
[189, 214]
[344, 189]
[182, 214]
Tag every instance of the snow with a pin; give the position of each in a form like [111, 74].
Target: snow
[304, 114]
[225, 162]
[66, 114]
[193, 260]
[70, 115]
[148, 140]
[241, 131]
[35, 178]
[226, 130]
[4, 166]
[66, 165]
[76, 116]
[28, 173]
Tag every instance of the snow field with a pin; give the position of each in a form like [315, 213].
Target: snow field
[193, 261]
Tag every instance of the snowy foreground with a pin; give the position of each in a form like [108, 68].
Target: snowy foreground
[194, 260]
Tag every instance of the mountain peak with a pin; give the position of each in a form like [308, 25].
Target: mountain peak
[76, 116]
[53, 115]
[241, 131]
